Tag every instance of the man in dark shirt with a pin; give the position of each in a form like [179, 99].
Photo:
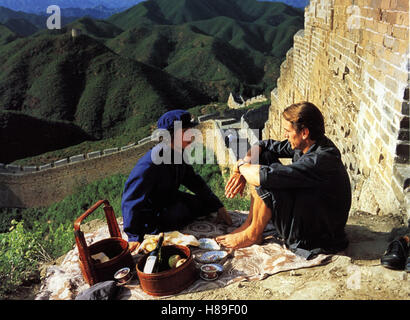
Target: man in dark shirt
[308, 201]
[151, 200]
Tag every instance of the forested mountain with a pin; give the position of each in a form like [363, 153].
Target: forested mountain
[122, 73]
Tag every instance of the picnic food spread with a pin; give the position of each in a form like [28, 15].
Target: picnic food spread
[166, 264]
[174, 237]
[150, 243]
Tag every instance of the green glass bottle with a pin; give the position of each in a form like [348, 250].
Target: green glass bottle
[154, 259]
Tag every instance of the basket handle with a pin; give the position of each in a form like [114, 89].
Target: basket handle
[83, 251]
[109, 214]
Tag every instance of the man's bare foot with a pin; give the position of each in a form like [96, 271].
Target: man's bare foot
[239, 240]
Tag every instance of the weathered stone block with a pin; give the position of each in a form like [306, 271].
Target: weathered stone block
[402, 5]
[110, 151]
[29, 168]
[402, 174]
[403, 18]
[128, 147]
[391, 84]
[61, 162]
[145, 140]
[94, 154]
[390, 17]
[13, 168]
[384, 4]
[397, 189]
[388, 41]
[45, 167]
[77, 158]
[401, 32]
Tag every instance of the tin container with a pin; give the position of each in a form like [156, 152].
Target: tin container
[123, 276]
[210, 272]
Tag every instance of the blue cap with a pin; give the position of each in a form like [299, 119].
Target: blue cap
[167, 119]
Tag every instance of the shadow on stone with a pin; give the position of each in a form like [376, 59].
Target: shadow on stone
[368, 244]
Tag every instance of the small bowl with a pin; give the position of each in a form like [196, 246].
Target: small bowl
[123, 276]
[210, 272]
[212, 256]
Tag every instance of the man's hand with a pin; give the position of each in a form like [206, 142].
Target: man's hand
[133, 245]
[224, 216]
[236, 184]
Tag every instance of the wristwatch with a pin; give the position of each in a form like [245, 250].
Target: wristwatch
[240, 162]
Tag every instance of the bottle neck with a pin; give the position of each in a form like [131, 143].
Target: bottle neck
[160, 241]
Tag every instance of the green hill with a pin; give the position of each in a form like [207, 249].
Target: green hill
[185, 53]
[55, 77]
[44, 135]
[182, 11]
[226, 45]
[101, 29]
[6, 35]
[121, 74]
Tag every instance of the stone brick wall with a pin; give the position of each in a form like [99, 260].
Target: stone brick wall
[236, 105]
[352, 61]
[42, 188]
[37, 186]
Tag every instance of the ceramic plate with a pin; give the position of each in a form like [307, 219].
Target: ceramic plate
[212, 256]
[208, 244]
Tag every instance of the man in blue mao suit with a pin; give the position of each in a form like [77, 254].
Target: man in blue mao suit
[152, 202]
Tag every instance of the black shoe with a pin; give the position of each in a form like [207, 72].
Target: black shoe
[396, 255]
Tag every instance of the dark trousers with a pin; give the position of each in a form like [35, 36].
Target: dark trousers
[297, 218]
[184, 210]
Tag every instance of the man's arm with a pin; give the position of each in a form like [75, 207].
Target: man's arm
[251, 173]
[305, 173]
[237, 182]
[250, 170]
[253, 154]
[281, 149]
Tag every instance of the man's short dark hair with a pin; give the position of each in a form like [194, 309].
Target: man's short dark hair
[306, 115]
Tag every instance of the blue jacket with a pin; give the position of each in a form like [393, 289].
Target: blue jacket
[151, 187]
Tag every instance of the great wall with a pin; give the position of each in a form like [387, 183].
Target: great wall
[43, 185]
[351, 59]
